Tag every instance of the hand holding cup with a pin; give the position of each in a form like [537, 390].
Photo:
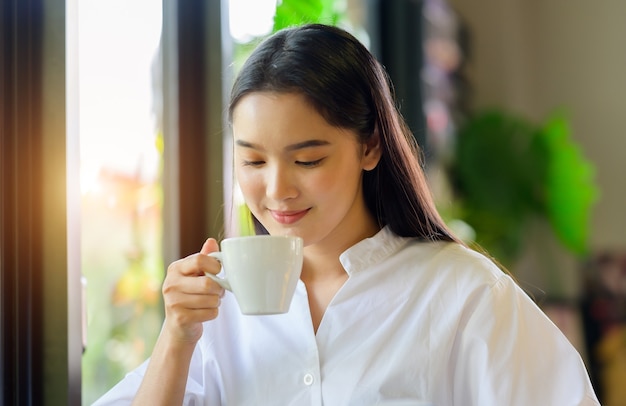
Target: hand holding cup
[262, 271]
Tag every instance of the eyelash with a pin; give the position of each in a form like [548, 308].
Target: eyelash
[252, 163]
[306, 164]
[310, 164]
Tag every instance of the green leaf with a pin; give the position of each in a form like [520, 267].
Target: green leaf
[507, 169]
[571, 190]
[499, 174]
[500, 164]
[297, 12]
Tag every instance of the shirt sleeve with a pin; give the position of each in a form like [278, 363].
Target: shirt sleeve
[124, 391]
[507, 351]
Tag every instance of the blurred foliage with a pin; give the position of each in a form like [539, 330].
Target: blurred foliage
[506, 169]
[293, 13]
[123, 264]
[245, 221]
[570, 184]
[297, 12]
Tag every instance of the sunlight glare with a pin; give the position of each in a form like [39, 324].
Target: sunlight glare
[251, 18]
[116, 117]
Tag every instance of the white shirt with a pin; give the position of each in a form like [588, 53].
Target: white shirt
[416, 323]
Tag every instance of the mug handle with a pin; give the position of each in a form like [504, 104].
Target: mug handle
[223, 282]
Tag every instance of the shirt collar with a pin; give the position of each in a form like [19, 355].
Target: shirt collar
[370, 251]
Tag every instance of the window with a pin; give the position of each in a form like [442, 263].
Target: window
[121, 190]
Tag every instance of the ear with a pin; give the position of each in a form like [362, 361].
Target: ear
[372, 152]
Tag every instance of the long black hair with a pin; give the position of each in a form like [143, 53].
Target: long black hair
[343, 81]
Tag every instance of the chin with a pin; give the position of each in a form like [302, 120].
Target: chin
[279, 229]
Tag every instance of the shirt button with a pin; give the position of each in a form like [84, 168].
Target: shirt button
[308, 379]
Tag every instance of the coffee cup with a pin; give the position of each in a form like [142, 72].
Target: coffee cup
[262, 271]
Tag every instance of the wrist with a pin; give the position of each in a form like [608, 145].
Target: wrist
[179, 340]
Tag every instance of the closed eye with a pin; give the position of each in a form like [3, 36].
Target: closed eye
[252, 163]
[310, 164]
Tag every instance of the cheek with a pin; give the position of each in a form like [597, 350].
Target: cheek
[251, 185]
[324, 184]
[342, 182]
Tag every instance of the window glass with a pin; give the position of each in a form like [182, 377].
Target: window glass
[121, 190]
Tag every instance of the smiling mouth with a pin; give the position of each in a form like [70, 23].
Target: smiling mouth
[288, 217]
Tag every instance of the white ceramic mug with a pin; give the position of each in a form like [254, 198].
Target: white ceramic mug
[262, 271]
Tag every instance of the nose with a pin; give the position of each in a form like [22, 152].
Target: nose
[280, 184]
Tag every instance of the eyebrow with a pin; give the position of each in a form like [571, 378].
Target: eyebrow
[292, 147]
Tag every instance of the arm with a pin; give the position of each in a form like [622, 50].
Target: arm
[190, 299]
[166, 376]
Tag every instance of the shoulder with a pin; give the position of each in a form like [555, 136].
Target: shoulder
[449, 261]
[451, 277]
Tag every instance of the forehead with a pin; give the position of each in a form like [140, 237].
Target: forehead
[262, 104]
[287, 115]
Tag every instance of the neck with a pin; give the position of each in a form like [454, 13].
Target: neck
[321, 260]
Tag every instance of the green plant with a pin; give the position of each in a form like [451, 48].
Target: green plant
[297, 12]
[506, 169]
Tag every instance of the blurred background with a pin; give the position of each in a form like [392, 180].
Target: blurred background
[517, 106]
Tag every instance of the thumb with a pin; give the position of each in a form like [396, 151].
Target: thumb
[210, 245]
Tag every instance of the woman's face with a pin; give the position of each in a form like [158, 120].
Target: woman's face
[299, 175]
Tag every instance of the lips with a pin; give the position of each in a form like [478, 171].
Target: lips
[288, 217]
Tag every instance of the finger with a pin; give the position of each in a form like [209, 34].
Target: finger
[192, 284]
[210, 245]
[194, 265]
[199, 286]
[185, 310]
[181, 302]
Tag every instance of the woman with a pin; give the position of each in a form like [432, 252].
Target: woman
[391, 308]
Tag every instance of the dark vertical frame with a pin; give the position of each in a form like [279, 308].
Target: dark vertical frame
[192, 135]
[397, 41]
[21, 329]
[193, 122]
[39, 336]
